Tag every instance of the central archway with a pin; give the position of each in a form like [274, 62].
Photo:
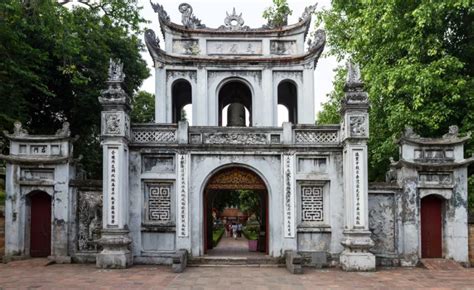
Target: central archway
[231, 179]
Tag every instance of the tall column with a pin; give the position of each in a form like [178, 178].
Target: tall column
[115, 135]
[355, 132]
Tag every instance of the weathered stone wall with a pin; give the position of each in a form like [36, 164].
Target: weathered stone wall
[2, 232]
[471, 242]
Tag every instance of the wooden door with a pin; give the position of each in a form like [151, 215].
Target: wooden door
[431, 227]
[40, 227]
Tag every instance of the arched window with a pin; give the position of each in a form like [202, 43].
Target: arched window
[181, 94]
[288, 97]
[235, 104]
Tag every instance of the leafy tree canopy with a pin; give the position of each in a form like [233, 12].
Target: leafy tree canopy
[277, 15]
[143, 107]
[54, 65]
[416, 58]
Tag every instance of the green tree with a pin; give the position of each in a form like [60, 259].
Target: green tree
[54, 65]
[143, 107]
[417, 60]
[250, 203]
[277, 15]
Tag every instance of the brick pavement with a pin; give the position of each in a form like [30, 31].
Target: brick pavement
[229, 246]
[33, 274]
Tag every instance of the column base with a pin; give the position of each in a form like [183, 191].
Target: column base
[115, 253]
[352, 261]
[356, 255]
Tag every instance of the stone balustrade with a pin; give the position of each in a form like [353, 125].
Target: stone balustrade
[288, 134]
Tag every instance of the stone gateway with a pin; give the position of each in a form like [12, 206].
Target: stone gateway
[152, 206]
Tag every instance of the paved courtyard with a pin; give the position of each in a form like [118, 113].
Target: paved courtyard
[34, 274]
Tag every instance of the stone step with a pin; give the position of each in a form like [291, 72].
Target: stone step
[441, 264]
[235, 261]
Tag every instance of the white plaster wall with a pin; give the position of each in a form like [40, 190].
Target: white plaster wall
[269, 169]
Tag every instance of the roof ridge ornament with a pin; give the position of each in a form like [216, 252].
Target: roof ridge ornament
[234, 21]
[308, 12]
[18, 130]
[162, 14]
[188, 19]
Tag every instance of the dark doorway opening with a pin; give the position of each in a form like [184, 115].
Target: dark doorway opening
[236, 196]
[431, 227]
[40, 224]
[235, 98]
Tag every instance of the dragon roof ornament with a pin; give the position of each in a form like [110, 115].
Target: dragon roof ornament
[162, 14]
[188, 19]
[308, 12]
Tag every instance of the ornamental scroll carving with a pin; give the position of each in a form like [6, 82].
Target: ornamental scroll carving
[235, 138]
[236, 178]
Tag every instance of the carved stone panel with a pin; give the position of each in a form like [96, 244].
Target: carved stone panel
[37, 174]
[358, 126]
[158, 202]
[113, 124]
[312, 165]
[312, 204]
[158, 164]
[235, 138]
[382, 218]
[186, 46]
[283, 47]
[236, 47]
[89, 217]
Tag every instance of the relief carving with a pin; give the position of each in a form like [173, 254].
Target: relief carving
[358, 126]
[89, 216]
[112, 124]
[235, 138]
[382, 222]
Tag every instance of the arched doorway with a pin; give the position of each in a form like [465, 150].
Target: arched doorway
[181, 97]
[235, 101]
[231, 179]
[431, 227]
[40, 224]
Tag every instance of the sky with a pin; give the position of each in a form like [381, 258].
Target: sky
[212, 14]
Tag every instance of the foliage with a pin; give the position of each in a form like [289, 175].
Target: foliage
[2, 197]
[277, 15]
[54, 65]
[251, 231]
[250, 203]
[416, 58]
[217, 236]
[143, 107]
[225, 199]
[470, 186]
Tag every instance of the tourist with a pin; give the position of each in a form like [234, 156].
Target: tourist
[239, 230]
[234, 230]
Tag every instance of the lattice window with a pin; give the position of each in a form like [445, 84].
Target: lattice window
[315, 137]
[312, 204]
[159, 202]
[150, 136]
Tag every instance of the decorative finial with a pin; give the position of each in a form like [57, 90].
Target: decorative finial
[116, 74]
[188, 19]
[353, 73]
[452, 133]
[18, 129]
[64, 131]
[409, 132]
[115, 94]
[234, 21]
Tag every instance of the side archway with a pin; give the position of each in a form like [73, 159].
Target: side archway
[40, 223]
[181, 93]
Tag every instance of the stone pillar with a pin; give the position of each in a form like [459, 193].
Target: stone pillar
[355, 132]
[115, 134]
